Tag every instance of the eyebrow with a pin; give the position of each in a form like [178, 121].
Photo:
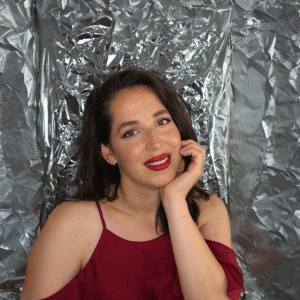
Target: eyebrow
[125, 124]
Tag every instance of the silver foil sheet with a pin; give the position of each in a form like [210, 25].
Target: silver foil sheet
[264, 153]
[21, 167]
[236, 64]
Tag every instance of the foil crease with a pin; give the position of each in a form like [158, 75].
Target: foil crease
[236, 65]
[264, 151]
[21, 165]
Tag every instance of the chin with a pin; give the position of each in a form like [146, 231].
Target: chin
[166, 180]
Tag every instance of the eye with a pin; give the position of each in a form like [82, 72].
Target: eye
[164, 121]
[129, 133]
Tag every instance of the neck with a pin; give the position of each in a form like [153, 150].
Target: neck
[141, 202]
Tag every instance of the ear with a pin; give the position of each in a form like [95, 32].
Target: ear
[107, 154]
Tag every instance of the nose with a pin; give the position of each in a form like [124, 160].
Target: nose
[153, 140]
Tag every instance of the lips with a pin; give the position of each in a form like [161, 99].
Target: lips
[157, 158]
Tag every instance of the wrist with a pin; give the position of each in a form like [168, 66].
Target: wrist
[175, 205]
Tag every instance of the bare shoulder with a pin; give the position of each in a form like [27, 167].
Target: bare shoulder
[214, 222]
[71, 218]
[61, 242]
[72, 212]
[68, 211]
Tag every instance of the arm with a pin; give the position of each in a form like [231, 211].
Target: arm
[56, 255]
[200, 274]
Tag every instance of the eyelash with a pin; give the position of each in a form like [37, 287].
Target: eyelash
[129, 131]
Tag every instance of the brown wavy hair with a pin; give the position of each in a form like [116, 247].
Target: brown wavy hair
[95, 176]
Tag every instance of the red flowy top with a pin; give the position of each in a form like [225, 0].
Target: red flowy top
[122, 269]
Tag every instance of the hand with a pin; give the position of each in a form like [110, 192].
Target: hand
[183, 182]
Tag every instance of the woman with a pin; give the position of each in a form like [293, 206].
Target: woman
[140, 164]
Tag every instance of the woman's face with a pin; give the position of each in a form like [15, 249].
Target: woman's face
[142, 129]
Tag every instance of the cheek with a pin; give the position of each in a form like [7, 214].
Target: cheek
[174, 137]
[131, 153]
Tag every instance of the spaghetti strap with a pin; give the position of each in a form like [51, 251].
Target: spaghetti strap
[101, 215]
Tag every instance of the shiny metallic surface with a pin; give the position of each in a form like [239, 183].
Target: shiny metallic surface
[264, 151]
[236, 65]
[21, 165]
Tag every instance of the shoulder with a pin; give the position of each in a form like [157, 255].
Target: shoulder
[78, 221]
[76, 224]
[214, 221]
[69, 218]
[71, 213]
[65, 220]
[61, 242]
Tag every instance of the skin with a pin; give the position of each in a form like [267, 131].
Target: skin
[74, 228]
[140, 187]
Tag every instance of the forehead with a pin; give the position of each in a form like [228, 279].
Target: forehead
[131, 102]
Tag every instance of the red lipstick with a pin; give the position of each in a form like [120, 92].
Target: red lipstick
[160, 167]
[157, 158]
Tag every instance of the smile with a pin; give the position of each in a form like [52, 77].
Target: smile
[158, 162]
[159, 165]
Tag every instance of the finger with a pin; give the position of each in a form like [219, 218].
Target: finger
[188, 142]
[196, 150]
[198, 154]
[196, 159]
[196, 166]
[191, 143]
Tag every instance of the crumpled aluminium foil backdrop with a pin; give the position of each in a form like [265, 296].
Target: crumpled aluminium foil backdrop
[188, 45]
[264, 146]
[21, 165]
[235, 64]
